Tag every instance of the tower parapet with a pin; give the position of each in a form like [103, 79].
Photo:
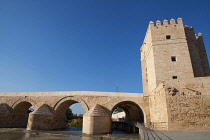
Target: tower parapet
[165, 22]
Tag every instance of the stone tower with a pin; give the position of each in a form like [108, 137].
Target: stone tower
[171, 51]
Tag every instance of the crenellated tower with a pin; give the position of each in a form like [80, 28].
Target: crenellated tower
[171, 51]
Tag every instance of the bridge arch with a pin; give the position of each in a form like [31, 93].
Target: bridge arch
[23, 100]
[68, 101]
[60, 109]
[132, 110]
[20, 112]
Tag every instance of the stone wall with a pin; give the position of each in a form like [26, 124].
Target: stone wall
[188, 111]
[158, 109]
[181, 104]
[188, 103]
[194, 52]
[147, 58]
[203, 54]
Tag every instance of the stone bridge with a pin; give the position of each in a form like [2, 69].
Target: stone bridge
[50, 107]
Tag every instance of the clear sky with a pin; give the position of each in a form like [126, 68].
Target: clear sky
[83, 45]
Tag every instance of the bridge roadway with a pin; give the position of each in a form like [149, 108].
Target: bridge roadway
[131, 127]
[148, 134]
[50, 108]
[137, 127]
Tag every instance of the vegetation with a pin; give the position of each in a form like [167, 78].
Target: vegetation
[117, 110]
[69, 114]
[77, 123]
[73, 119]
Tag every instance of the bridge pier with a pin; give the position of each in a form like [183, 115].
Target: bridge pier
[12, 117]
[5, 116]
[41, 119]
[59, 122]
[96, 121]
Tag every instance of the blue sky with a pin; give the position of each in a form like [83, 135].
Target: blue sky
[85, 45]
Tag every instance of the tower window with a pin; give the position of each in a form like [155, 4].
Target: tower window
[168, 37]
[174, 77]
[173, 58]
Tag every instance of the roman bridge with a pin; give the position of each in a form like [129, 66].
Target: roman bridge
[50, 107]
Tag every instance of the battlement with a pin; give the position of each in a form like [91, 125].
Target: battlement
[190, 30]
[165, 22]
[198, 35]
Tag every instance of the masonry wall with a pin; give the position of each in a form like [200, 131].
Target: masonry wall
[189, 112]
[181, 104]
[165, 49]
[188, 104]
[203, 55]
[147, 63]
[198, 59]
[158, 109]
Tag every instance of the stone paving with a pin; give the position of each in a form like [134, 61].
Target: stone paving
[176, 135]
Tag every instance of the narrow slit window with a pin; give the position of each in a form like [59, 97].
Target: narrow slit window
[168, 37]
[174, 77]
[173, 58]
